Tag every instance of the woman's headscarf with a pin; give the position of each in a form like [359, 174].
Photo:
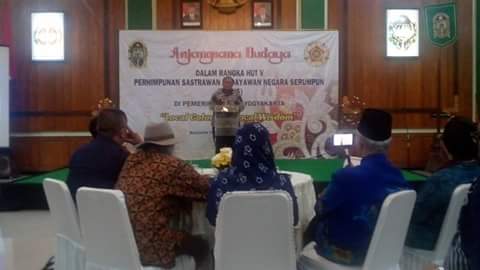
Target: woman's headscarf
[252, 168]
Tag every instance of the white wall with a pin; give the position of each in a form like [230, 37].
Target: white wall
[4, 98]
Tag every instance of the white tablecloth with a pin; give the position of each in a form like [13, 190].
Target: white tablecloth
[304, 190]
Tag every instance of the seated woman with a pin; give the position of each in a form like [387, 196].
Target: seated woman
[158, 187]
[253, 168]
[459, 140]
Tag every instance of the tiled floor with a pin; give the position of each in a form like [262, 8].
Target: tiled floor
[26, 240]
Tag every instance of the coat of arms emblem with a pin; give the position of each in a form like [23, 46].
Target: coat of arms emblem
[316, 53]
[403, 33]
[441, 23]
[137, 54]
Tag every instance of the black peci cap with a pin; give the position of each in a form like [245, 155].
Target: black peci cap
[375, 125]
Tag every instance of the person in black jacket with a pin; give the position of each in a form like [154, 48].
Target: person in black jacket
[98, 163]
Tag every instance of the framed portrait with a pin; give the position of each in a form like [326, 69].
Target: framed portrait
[191, 14]
[48, 36]
[402, 32]
[262, 14]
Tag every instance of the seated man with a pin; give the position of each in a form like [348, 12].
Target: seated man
[158, 189]
[347, 212]
[253, 168]
[98, 163]
[433, 199]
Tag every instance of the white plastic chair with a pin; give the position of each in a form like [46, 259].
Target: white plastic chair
[417, 258]
[70, 253]
[255, 231]
[108, 235]
[387, 241]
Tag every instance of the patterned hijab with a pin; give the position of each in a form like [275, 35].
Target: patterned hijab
[252, 161]
[252, 168]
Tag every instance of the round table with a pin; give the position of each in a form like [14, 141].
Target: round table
[303, 188]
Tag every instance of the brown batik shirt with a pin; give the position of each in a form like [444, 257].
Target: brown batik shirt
[158, 188]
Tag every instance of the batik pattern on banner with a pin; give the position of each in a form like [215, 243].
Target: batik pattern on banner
[288, 81]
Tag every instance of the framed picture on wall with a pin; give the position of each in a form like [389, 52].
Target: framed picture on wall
[262, 14]
[191, 14]
[402, 32]
[48, 36]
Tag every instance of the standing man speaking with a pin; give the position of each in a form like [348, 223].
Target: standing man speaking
[226, 104]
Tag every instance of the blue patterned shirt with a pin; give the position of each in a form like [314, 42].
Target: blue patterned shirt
[432, 203]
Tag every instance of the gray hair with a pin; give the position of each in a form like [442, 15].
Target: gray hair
[374, 147]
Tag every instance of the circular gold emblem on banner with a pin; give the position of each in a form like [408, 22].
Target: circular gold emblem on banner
[317, 53]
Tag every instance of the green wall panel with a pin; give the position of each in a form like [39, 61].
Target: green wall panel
[139, 14]
[313, 14]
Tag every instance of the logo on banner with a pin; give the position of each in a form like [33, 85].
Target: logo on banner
[137, 54]
[317, 53]
[441, 24]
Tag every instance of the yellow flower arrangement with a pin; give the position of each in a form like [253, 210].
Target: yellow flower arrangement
[222, 159]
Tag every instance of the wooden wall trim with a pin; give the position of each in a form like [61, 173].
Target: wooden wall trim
[176, 11]
[414, 131]
[325, 15]
[154, 14]
[475, 60]
[115, 21]
[49, 113]
[50, 134]
[106, 36]
[298, 21]
[277, 9]
[343, 39]
[165, 14]
[44, 154]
